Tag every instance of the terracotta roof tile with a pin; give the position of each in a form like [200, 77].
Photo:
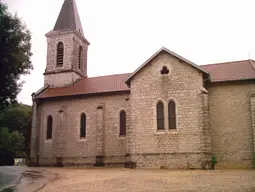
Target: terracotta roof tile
[102, 84]
[231, 71]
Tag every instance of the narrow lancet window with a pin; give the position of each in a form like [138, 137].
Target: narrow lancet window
[122, 123]
[171, 115]
[49, 127]
[83, 126]
[60, 54]
[80, 57]
[160, 116]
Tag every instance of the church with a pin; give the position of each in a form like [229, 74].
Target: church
[169, 113]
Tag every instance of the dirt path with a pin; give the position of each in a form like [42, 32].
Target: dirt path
[34, 179]
[127, 180]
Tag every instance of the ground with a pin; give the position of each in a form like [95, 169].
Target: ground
[24, 179]
[10, 176]
[122, 180]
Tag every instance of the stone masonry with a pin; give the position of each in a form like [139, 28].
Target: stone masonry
[102, 136]
[180, 148]
[212, 118]
[230, 123]
[69, 73]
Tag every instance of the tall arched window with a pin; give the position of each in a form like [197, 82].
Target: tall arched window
[83, 126]
[80, 57]
[160, 116]
[122, 123]
[49, 127]
[60, 54]
[171, 115]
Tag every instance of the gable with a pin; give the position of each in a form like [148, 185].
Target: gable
[163, 49]
[179, 76]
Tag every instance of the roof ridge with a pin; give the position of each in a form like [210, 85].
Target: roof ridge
[252, 64]
[224, 62]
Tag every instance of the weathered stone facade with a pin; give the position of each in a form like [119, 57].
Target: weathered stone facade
[231, 106]
[102, 137]
[186, 145]
[69, 73]
[212, 118]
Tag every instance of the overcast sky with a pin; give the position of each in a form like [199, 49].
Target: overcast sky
[124, 33]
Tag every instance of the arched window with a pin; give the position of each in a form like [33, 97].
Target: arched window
[160, 116]
[80, 57]
[83, 126]
[122, 123]
[171, 115]
[49, 127]
[60, 54]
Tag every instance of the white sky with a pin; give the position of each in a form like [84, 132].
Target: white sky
[124, 33]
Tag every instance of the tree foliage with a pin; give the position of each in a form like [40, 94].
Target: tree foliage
[15, 133]
[11, 145]
[15, 53]
[18, 117]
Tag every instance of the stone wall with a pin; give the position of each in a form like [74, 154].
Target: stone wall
[230, 123]
[253, 124]
[33, 144]
[102, 138]
[61, 79]
[53, 40]
[84, 57]
[71, 42]
[171, 148]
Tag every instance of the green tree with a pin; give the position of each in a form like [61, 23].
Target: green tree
[18, 117]
[11, 145]
[15, 53]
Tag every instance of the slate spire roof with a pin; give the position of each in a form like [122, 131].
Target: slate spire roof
[69, 18]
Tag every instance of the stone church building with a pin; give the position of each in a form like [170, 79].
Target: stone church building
[168, 113]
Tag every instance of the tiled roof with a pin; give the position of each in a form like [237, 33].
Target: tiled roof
[231, 71]
[219, 72]
[103, 84]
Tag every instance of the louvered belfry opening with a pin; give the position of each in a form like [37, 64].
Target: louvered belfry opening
[80, 56]
[60, 54]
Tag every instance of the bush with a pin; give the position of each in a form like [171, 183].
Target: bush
[214, 162]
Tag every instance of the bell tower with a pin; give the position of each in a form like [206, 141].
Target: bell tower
[67, 49]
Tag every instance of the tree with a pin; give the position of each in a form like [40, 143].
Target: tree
[11, 145]
[15, 46]
[18, 117]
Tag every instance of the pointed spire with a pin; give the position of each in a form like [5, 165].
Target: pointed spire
[69, 18]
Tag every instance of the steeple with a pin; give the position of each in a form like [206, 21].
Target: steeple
[67, 49]
[69, 18]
